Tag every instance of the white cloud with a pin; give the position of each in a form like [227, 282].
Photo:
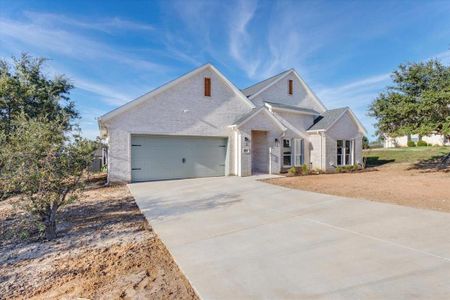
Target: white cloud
[362, 91]
[241, 47]
[356, 91]
[108, 25]
[109, 95]
[28, 35]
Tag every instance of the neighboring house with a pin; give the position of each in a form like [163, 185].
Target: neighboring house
[402, 141]
[202, 125]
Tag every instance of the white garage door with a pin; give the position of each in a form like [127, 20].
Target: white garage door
[156, 157]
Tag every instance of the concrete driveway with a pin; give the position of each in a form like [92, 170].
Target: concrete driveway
[239, 238]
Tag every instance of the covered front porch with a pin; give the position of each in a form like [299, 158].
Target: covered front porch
[265, 145]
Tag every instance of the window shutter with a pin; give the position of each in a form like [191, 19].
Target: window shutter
[291, 87]
[207, 86]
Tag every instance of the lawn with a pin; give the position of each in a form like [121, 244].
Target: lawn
[377, 157]
[404, 176]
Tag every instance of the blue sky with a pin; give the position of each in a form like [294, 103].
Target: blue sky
[115, 51]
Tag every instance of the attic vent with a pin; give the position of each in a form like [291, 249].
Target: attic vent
[290, 87]
[207, 86]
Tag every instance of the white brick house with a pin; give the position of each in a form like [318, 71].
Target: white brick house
[202, 125]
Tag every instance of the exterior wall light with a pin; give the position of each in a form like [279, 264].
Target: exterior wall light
[277, 142]
[246, 140]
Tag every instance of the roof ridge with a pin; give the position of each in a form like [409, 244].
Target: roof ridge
[267, 79]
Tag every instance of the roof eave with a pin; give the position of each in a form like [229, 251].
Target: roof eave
[269, 85]
[170, 84]
[256, 112]
[274, 108]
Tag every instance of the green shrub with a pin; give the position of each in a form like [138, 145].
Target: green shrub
[355, 167]
[305, 169]
[339, 169]
[422, 144]
[411, 144]
[292, 171]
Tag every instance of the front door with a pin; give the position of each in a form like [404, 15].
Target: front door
[260, 152]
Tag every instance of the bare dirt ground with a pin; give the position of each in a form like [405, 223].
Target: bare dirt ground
[105, 250]
[399, 183]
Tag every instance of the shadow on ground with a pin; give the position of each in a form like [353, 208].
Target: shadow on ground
[434, 164]
[375, 161]
[161, 209]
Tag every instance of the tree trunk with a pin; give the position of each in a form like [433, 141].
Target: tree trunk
[50, 223]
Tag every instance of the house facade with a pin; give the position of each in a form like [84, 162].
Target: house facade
[202, 125]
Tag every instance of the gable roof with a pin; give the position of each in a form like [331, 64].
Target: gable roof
[328, 118]
[291, 127]
[249, 91]
[170, 84]
[254, 90]
[292, 108]
[247, 117]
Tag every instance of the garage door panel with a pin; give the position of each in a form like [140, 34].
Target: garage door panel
[168, 157]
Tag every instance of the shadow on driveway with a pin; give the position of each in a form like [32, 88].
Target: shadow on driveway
[159, 209]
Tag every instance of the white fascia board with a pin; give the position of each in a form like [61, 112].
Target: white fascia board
[257, 112]
[315, 131]
[355, 119]
[308, 89]
[291, 127]
[233, 87]
[358, 122]
[274, 109]
[305, 85]
[170, 84]
[269, 85]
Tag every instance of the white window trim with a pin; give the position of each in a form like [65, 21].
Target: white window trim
[282, 152]
[352, 152]
[299, 152]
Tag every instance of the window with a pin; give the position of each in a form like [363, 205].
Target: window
[298, 152]
[344, 152]
[291, 87]
[207, 86]
[287, 153]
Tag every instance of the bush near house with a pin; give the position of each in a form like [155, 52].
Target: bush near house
[302, 170]
[292, 171]
[411, 144]
[305, 169]
[422, 144]
[347, 169]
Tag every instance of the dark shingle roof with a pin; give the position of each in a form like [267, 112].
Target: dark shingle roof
[297, 108]
[327, 118]
[251, 90]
